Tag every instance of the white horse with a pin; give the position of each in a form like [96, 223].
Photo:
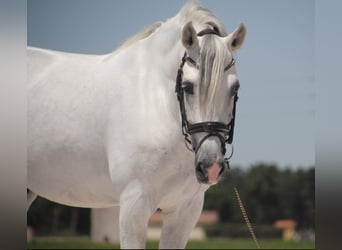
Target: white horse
[106, 130]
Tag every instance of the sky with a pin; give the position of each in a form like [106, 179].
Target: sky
[275, 120]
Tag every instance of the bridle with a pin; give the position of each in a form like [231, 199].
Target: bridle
[223, 131]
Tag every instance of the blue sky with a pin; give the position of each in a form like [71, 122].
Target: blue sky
[276, 110]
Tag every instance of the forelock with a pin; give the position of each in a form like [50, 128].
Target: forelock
[201, 17]
[212, 61]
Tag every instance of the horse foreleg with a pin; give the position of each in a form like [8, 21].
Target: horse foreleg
[30, 199]
[178, 224]
[135, 211]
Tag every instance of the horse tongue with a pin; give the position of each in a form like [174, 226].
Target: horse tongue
[213, 173]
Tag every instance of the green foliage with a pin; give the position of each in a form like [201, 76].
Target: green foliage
[215, 243]
[233, 230]
[268, 194]
[49, 218]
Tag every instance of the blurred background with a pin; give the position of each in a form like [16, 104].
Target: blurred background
[280, 204]
[273, 163]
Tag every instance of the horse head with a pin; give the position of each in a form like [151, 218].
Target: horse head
[207, 86]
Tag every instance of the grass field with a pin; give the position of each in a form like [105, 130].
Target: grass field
[85, 243]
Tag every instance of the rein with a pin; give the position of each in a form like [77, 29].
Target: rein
[224, 132]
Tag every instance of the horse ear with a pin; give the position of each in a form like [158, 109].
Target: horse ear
[189, 36]
[237, 37]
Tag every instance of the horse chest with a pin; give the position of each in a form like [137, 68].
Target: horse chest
[174, 179]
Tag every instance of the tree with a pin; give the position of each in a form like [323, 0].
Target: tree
[268, 193]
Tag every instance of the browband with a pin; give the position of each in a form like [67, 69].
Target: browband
[208, 32]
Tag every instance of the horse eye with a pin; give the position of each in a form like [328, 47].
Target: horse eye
[188, 87]
[235, 88]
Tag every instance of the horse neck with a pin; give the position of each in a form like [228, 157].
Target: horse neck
[166, 47]
[164, 51]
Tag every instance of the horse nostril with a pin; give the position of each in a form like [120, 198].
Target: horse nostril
[223, 167]
[199, 166]
[201, 173]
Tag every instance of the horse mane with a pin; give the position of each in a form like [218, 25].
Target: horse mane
[191, 11]
[142, 34]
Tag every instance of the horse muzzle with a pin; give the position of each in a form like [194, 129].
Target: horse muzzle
[209, 158]
[209, 173]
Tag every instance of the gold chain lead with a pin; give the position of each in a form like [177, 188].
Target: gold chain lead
[242, 208]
